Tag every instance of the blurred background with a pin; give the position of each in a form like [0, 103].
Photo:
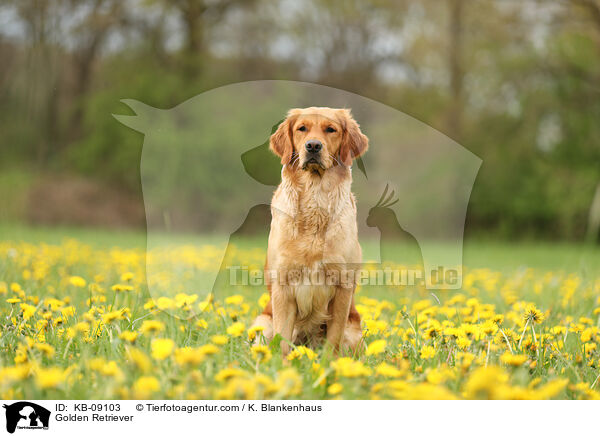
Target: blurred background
[517, 82]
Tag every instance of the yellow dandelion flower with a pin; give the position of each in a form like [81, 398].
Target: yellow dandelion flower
[335, 389]
[486, 383]
[127, 276]
[188, 356]
[234, 300]
[145, 386]
[439, 375]
[128, 336]
[264, 300]
[347, 367]
[228, 373]
[113, 316]
[261, 353]
[185, 300]
[121, 288]
[164, 303]
[152, 326]
[387, 370]
[78, 282]
[463, 342]
[47, 350]
[427, 352]
[205, 306]
[14, 373]
[252, 331]
[28, 311]
[139, 359]
[301, 351]
[162, 348]
[82, 327]
[488, 328]
[111, 369]
[513, 359]
[219, 339]
[236, 329]
[551, 389]
[376, 347]
[96, 363]
[49, 377]
[209, 349]
[533, 315]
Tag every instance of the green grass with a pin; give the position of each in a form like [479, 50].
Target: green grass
[499, 255]
[63, 345]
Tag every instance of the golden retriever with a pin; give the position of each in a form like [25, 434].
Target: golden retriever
[313, 252]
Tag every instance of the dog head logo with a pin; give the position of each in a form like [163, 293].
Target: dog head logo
[206, 168]
[26, 415]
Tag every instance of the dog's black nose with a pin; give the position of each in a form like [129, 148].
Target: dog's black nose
[313, 146]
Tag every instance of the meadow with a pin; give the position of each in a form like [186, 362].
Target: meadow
[78, 322]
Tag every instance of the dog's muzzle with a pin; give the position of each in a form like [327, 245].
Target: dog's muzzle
[313, 155]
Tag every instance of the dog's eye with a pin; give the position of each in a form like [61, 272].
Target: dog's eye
[302, 128]
[330, 129]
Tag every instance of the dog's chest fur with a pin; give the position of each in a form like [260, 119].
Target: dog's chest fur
[316, 210]
[315, 207]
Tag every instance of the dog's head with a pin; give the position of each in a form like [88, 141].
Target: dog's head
[317, 138]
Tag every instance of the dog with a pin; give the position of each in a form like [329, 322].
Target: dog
[313, 251]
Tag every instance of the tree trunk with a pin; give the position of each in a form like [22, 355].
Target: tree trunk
[456, 106]
[593, 229]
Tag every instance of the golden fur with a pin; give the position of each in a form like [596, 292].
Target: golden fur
[313, 232]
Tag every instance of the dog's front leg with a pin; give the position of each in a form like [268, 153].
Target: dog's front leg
[340, 308]
[284, 315]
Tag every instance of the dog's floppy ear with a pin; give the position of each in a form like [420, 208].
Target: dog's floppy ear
[281, 141]
[354, 142]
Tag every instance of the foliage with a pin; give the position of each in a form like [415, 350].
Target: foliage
[515, 83]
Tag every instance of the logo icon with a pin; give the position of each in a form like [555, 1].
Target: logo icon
[26, 415]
